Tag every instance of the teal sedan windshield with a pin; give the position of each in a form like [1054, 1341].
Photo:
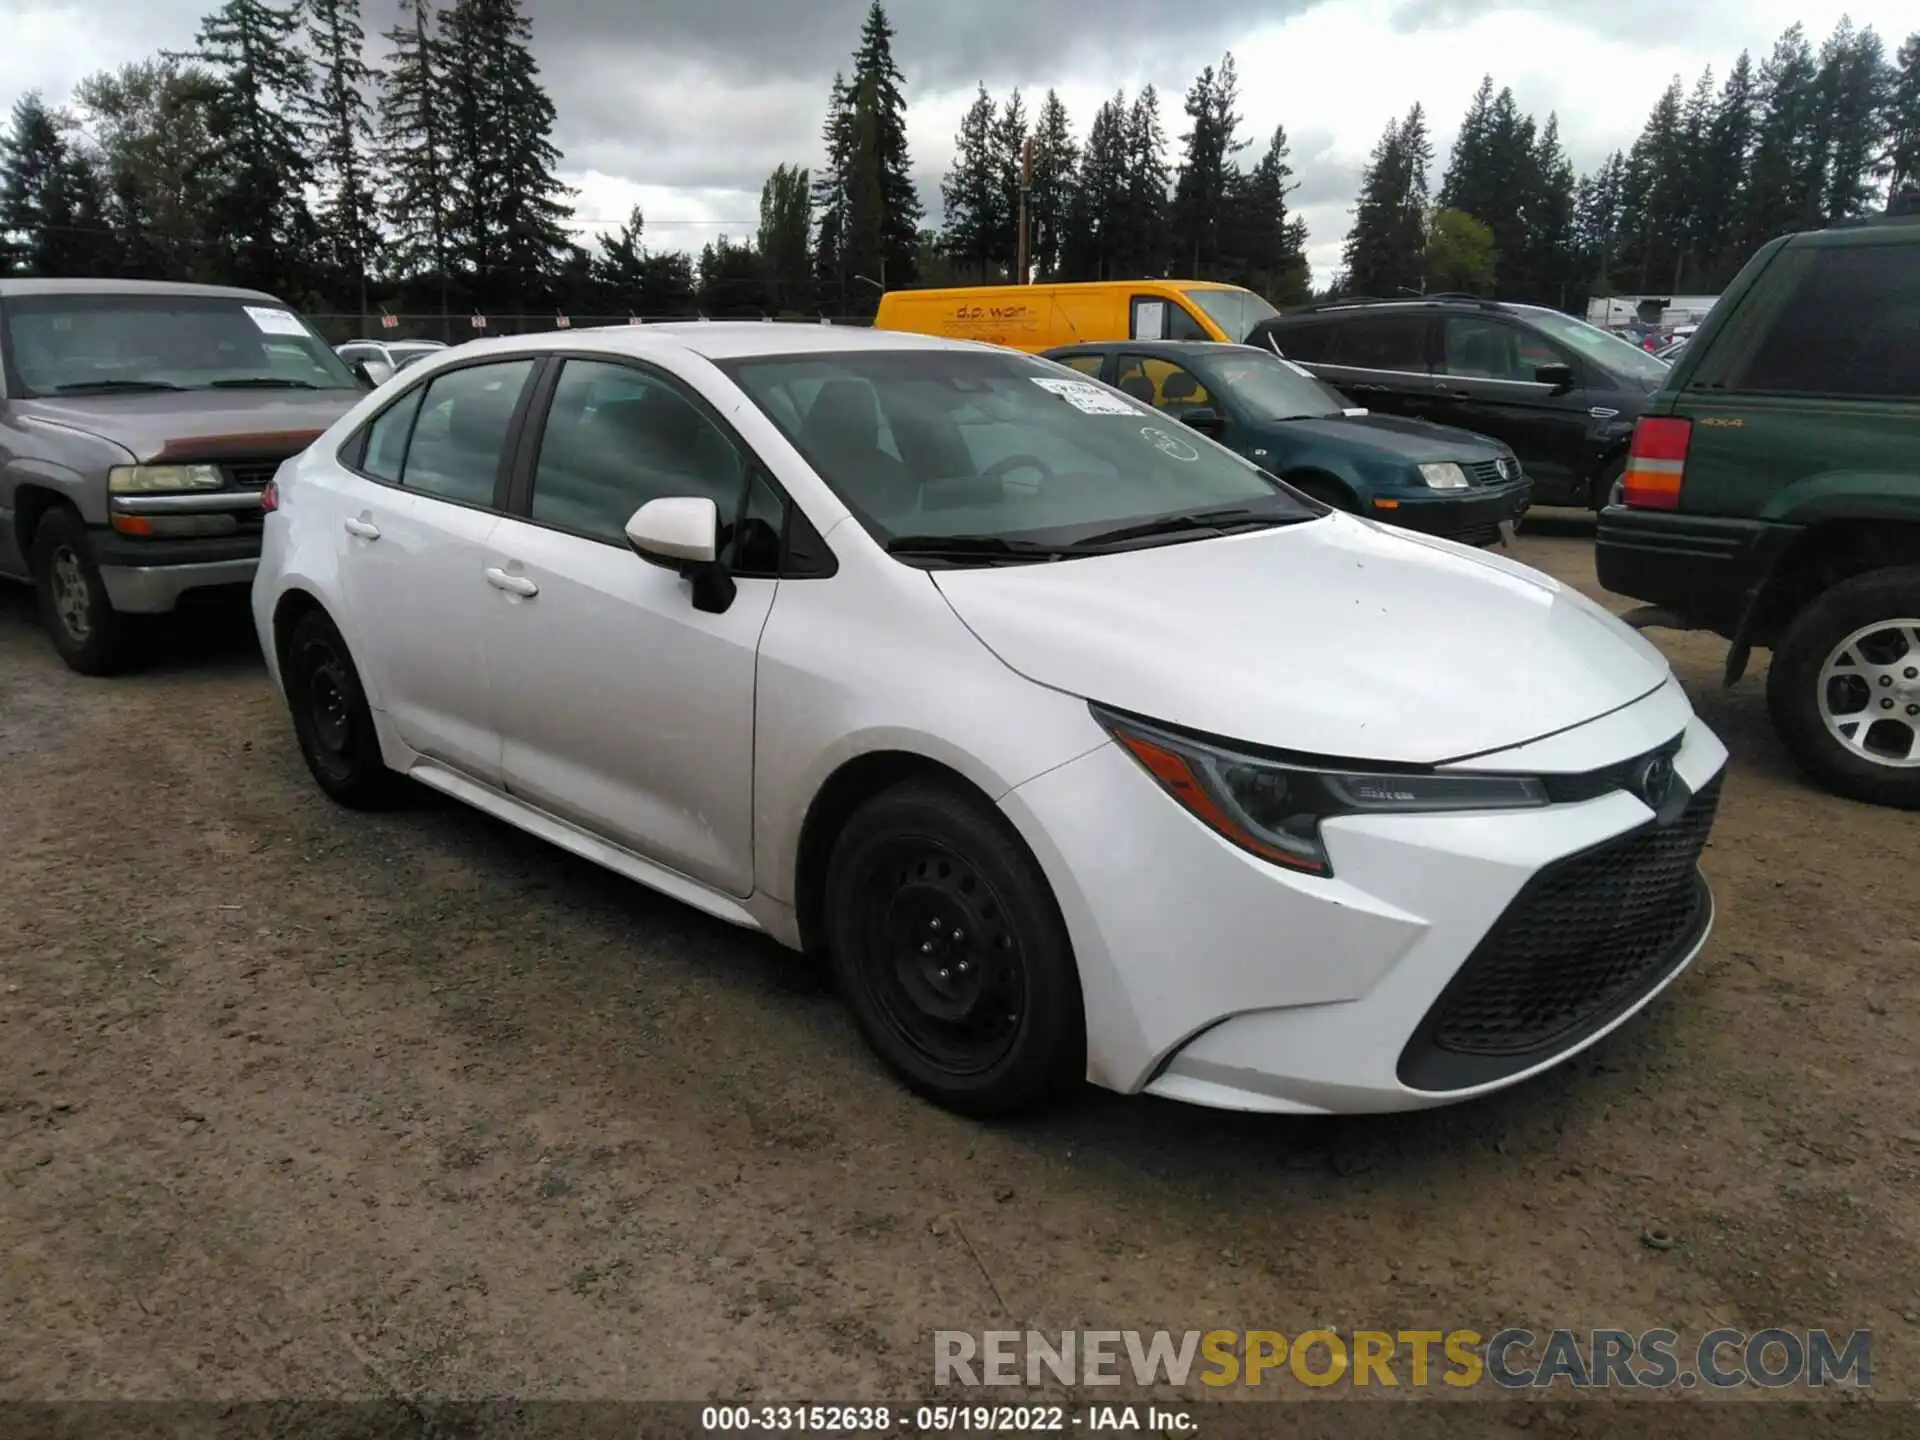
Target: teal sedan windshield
[1269, 388]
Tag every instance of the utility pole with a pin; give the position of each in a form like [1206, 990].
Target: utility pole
[1026, 192]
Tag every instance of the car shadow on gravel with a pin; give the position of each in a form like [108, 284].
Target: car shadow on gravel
[209, 634]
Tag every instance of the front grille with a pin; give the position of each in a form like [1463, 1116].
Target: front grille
[1483, 472]
[1585, 939]
[251, 474]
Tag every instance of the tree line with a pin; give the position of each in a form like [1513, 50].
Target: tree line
[271, 154]
[1799, 142]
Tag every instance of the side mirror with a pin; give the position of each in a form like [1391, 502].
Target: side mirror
[364, 375]
[1560, 377]
[682, 533]
[1205, 419]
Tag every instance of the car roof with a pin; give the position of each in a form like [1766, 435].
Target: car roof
[721, 340]
[1146, 347]
[24, 287]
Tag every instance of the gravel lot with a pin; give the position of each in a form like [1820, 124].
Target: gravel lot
[297, 1102]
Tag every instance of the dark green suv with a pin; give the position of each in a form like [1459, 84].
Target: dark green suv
[1772, 494]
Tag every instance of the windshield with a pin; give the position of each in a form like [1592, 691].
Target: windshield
[70, 344]
[1235, 311]
[944, 443]
[1619, 356]
[1270, 388]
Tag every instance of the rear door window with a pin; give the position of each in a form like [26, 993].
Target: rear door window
[462, 432]
[1846, 324]
[1380, 342]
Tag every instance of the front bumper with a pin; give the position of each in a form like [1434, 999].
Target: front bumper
[1213, 977]
[148, 576]
[1472, 515]
[1703, 567]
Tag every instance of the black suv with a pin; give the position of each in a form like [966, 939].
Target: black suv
[1563, 394]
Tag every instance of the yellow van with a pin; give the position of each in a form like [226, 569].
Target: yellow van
[1039, 317]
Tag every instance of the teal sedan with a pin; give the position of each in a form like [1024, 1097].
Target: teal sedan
[1427, 477]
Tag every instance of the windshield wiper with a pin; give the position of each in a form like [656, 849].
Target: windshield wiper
[263, 382]
[75, 387]
[1239, 517]
[975, 548]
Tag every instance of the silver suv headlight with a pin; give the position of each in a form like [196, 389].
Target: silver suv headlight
[151, 479]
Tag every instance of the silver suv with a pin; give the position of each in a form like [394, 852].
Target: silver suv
[139, 422]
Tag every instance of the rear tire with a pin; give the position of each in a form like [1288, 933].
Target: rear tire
[74, 607]
[331, 718]
[1855, 651]
[947, 944]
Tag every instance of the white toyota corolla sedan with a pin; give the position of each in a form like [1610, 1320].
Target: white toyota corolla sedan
[1079, 745]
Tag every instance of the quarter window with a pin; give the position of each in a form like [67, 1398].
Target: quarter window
[387, 439]
[1851, 326]
[462, 431]
[617, 437]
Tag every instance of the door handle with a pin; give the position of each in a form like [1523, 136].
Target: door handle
[365, 529]
[513, 584]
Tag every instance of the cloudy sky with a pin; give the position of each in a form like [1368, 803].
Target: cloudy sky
[683, 106]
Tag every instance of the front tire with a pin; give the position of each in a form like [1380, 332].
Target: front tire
[74, 606]
[331, 718]
[1844, 688]
[947, 944]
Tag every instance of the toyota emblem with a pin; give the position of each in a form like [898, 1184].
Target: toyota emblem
[1656, 780]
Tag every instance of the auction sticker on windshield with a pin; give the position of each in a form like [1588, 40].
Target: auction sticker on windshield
[275, 322]
[1086, 396]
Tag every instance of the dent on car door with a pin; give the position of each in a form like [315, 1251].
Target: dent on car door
[624, 708]
[413, 532]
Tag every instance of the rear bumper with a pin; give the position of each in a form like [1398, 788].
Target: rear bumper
[1706, 568]
[148, 577]
[1473, 515]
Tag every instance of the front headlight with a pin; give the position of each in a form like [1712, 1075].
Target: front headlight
[149, 479]
[1274, 808]
[1444, 476]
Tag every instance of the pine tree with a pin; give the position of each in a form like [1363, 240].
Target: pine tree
[1658, 200]
[1552, 267]
[1208, 173]
[1092, 246]
[1267, 244]
[53, 218]
[1056, 163]
[342, 119]
[1385, 250]
[261, 168]
[732, 281]
[1855, 87]
[1464, 185]
[1903, 118]
[971, 193]
[1720, 177]
[415, 139]
[786, 221]
[1009, 147]
[153, 124]
[508, 208]
[1145, 235]
[830, 197]
[1782, 191]
[883, 209]
[1599, 221]
[620, 264]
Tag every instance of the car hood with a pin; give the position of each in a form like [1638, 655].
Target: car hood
[1391, 436]
[1336, 637]
[198, 424]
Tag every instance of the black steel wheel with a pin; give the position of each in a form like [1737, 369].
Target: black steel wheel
[951, 952]
[331, 718]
